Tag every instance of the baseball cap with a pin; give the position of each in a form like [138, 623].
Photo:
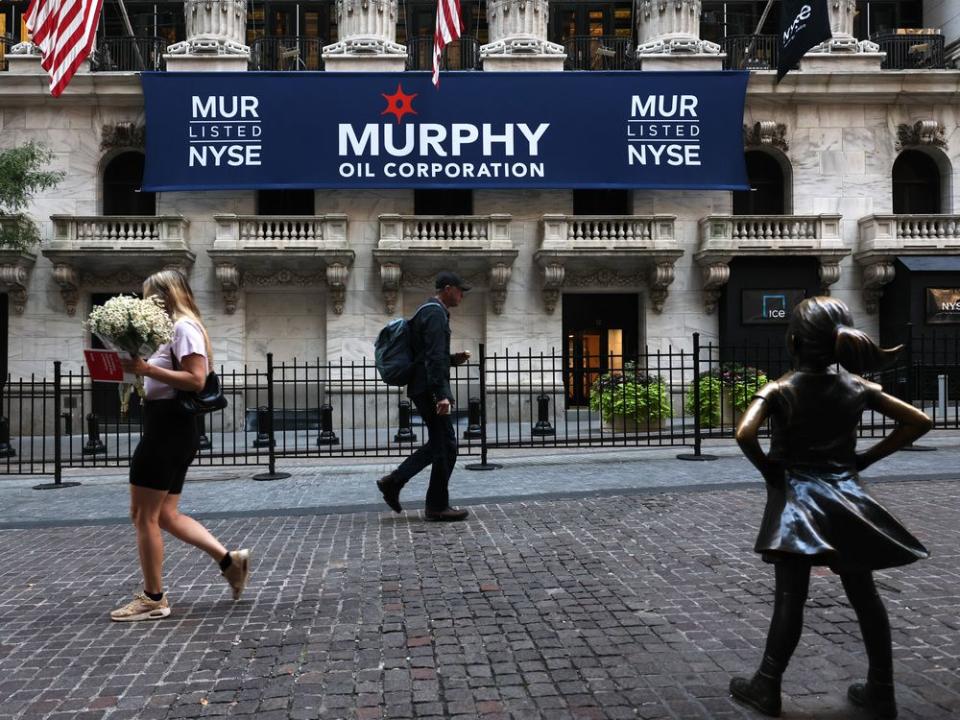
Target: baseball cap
[446, 277]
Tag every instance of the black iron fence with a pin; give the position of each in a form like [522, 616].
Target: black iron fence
[129, 54]
[678, 396]
[911, 52]
[751, 52]
[6, 43]
[287, 53]
[462, 54]
[599, 52]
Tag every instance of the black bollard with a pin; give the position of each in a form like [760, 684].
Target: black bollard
[404, 432]
[6, 450]
[94, 444]
[327, 436]
[543, 427]
[204, 442]
[473, 431]
[263, 428]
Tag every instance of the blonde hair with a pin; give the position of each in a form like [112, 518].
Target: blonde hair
[174, 291]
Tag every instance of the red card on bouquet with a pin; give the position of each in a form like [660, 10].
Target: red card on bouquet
[104, 365]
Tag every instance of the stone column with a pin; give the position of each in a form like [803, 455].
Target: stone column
[842, 52]
[668, 37]
[518, 37]
[368, 38]
[216, 35]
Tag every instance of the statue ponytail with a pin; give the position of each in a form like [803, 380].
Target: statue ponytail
[858, 353]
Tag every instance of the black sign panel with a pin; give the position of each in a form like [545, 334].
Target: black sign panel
[769, 307]
[943, 306]
[803, 24]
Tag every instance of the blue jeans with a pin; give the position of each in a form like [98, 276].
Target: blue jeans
[440, 451]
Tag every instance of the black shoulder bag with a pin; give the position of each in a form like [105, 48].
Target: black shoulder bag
[200, 402]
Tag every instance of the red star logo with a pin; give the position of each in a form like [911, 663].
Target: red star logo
[399, 104]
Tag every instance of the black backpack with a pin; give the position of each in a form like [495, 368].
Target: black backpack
[393, 350]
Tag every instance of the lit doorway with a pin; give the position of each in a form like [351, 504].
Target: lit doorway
[601, 333]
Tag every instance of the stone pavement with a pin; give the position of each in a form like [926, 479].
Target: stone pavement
[631, 603]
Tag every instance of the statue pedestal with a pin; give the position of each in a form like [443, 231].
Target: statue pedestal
[841, 62]
[671, 62]
[24, 64]
[364, 63]
[523, 63]
[207, 63]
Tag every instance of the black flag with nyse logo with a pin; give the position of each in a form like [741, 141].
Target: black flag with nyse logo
[803, 24]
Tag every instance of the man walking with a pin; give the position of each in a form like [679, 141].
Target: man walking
[429, 389]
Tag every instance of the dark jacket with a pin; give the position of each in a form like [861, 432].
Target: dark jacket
[430, 333]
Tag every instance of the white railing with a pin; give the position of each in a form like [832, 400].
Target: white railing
[607, 231]
[280, 232]
[118, 232]
[461, 232]
[769, 232]
[920, 232]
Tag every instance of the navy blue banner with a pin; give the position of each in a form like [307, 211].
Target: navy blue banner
[218, 131]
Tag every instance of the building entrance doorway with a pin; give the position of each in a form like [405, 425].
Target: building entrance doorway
[600, 333]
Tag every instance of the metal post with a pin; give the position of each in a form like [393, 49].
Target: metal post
[263, 421]
[543, 428]
[474, 431]
[942, 397]
[697, 433]
[94, 444]
[912, 371]
[271, 473]
[327, 436]
[404, 431]
[57, 448]
[203, 443]
[6, 450]
[483, 464]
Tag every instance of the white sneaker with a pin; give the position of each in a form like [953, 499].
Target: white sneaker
[238, 571]
[142, 608]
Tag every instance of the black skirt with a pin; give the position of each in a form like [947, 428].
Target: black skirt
[828, 518]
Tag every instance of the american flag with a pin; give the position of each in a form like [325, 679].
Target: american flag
[64, 30]
[448, 29]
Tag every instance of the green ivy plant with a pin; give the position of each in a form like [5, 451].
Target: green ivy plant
[631, 394]
[22, 174]
[740, 381]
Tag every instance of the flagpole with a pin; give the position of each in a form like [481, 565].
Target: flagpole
[753, 38]
[133, 39]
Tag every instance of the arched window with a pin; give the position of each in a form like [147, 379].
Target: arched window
[916, 184]
[767, 193]
[122, 178]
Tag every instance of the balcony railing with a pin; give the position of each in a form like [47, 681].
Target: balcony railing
[762, 54]
[911, 52]
[103, 232]
[445, 231]
[464, 54]
[599, 52]
[263, 232]
[933, 233]
[129, 54]
[586, 232]
[736, 234]
[287, 53]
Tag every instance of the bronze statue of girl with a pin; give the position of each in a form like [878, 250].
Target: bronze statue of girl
[817, 512]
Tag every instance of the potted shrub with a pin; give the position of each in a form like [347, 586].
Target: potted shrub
[630, 400]
[725, 393]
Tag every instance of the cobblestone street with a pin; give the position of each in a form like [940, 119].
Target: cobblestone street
[614, 606]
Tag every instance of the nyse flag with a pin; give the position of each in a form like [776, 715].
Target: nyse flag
[803, 24]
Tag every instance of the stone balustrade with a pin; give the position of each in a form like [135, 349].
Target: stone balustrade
[441, 232]
[606, 231]
[905, 232]
[134, 232]
[280, 232]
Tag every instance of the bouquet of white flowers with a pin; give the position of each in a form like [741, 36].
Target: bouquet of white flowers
[132, 326]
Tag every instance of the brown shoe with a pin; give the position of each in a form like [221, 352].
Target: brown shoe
[238, 571]
[391, 492]
[446, 515]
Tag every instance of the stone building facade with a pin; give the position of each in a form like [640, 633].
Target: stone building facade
[834, 129]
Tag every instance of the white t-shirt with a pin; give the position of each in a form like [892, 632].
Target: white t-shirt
[187, 340]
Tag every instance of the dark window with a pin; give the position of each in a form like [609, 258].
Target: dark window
[601, 202]
[767, 189]
[285, 202]
[122, 179]
[443, 202]
[884, 16]
[916, 184]
[721, 19]
[595, 19]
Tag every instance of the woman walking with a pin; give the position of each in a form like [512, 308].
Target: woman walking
[167, 447]
[817, 512]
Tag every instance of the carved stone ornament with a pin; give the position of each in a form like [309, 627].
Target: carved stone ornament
[829, 271]
[337, 274]
[13, 281]
[875, 276]
[66, 277]
[499, 277]
[553, 275]
[123, 135]
[922, 132]
[229, 278]
[660, 278]
[766, 132]
[390, 274]
[715, 275]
